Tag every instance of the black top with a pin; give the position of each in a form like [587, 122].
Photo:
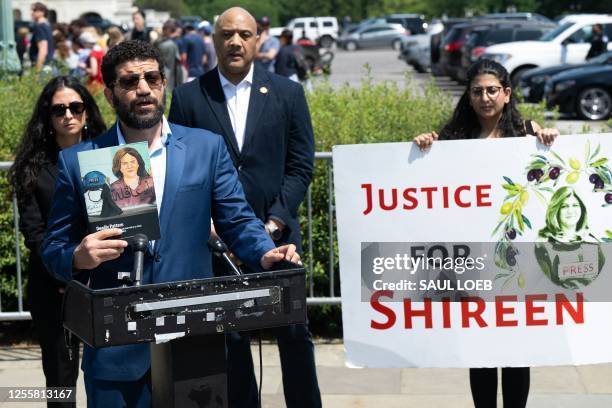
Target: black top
[141, 35]
[598, 45]
[42, 32]
[33, 213]
[286, 64]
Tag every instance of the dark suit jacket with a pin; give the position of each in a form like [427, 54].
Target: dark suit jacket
[33, 212]
[200, 182]
[276, 162]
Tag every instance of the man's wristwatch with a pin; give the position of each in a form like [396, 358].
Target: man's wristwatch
[273, 230]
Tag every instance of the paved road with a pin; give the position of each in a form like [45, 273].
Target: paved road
[349, 68]
[341, 387]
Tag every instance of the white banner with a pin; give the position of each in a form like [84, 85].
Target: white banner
[525, 230]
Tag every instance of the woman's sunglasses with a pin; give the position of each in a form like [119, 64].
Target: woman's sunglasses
[59, 110]
[131, 81]
[491, 91]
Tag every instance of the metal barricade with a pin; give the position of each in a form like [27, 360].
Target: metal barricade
[330, 299]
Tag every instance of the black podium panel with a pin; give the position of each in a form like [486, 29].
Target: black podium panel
[189, 372]
[149, 313]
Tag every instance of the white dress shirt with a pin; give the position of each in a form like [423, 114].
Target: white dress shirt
[237, 102]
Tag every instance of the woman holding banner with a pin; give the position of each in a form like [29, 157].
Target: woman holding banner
[487, 110]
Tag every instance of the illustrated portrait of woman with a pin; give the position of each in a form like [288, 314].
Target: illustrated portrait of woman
[134, 185]
[571, 257]
[566, 218]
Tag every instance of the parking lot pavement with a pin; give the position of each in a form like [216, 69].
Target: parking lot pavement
[342, 387]
[349, 68]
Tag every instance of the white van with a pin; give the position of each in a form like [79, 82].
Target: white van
[569, 43]
[322, 30]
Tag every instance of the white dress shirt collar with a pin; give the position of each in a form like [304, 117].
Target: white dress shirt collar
[237, 99]
[247, 79]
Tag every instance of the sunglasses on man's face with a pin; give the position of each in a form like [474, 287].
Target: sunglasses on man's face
[130, 82]
[59, 110]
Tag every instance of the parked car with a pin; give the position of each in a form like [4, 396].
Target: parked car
[373, 36]
[415, 49]
[517, 16]
[322, 30]
[450, 53]
[586, 92]
[435, 43]
[568, 43]
[414, 23]
[497, 33]
[533, 81]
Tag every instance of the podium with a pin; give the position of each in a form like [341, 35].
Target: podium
[185, 323]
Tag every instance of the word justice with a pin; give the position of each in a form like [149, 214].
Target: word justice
[410, 198]
[473, 308]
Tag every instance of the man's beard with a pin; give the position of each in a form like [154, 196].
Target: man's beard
[127, 112]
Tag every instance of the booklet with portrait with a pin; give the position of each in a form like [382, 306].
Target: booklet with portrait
[119, 191]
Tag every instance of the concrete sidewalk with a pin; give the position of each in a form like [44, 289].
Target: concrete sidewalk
[559, 387]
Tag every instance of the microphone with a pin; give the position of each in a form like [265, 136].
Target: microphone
[139, 244]
[219, 248]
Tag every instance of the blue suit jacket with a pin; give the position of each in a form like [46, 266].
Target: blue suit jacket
[275, 164]
[200, 183]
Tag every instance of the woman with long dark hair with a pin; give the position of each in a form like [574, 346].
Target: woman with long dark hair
[487, 110]
[64, 114]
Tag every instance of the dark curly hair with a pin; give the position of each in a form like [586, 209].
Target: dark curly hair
[38, 146]
[464, 123]
[131, 50]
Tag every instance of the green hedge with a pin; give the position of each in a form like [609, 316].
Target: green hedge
[371, 113]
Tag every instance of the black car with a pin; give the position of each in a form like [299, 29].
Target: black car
[533, 81]
[586, 92]
[435, 43]
[450, 52]
[500, 32]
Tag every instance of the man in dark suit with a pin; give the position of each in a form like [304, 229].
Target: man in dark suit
[194, 181]
[266, 125]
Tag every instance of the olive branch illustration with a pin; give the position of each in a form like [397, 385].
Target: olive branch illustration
[543, 174]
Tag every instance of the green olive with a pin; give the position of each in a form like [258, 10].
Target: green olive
[572, 177]
[574, 164]
[506, 208]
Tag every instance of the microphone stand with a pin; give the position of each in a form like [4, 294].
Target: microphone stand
[219, 248]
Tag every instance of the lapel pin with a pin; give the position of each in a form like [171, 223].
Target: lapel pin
[263, 90]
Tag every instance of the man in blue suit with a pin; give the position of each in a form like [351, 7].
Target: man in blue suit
[195, 181]
[265, 123]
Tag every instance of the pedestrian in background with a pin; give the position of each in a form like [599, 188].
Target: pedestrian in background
[42, 46]
[140, 30]
[267, 45]
[115, 36]
[170, 56]
[286, 63]
[210, 58]
[599, 42]
[195, 49]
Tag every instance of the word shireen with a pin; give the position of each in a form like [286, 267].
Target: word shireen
[411, 197]
[473, 308]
